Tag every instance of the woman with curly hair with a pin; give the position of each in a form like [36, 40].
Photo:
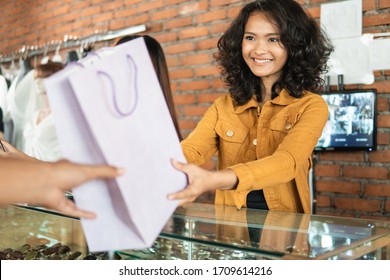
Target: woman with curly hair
[272, 58]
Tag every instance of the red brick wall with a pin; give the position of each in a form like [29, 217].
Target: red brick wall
[348, 183]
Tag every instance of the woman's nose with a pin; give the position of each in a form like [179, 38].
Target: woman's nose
[261, 48]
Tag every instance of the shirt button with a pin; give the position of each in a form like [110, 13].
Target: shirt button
[229, 133]
[255, 141]
[288, 125]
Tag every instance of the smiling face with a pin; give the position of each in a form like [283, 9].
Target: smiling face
[262, 50]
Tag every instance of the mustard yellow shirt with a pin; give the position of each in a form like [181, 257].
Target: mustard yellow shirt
[269, 147]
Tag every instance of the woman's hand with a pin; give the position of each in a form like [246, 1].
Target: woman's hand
[201, 180]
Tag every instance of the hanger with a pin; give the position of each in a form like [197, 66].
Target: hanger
[57, 56]
[45, 58]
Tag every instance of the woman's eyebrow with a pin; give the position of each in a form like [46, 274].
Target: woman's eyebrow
[268, 34]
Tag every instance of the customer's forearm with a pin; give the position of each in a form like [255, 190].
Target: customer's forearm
[22, 180]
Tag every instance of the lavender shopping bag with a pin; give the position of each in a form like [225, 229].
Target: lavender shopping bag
[113, 111]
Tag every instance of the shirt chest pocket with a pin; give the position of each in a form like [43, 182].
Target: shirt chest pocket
[231, 140]
[284, 122]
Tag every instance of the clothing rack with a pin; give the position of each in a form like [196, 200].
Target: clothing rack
[384, 34]
[71, 42]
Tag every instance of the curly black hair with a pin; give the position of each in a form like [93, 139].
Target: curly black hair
[307, 46]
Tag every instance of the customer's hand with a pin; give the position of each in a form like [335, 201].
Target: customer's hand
[9, 151]
[64, 176]
[43, 183]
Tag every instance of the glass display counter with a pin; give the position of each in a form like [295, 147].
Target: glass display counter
[202, 232]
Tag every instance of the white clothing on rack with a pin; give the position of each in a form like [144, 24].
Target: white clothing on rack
[3, 94]
[23, 102]
[3, 99]
[41, 139]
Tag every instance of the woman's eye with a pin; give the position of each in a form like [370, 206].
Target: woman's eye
[274, 39]
[249, 38]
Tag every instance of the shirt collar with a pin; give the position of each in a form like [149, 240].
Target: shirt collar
[284, 98]
[250, 104]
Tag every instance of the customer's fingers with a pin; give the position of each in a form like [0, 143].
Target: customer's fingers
[68, 207]
[102, 171]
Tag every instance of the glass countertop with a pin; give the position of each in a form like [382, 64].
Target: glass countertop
[275, 235]
[207, 231]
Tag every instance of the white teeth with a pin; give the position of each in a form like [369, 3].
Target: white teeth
[262, 60]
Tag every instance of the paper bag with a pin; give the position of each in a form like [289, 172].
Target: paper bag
[113, 111]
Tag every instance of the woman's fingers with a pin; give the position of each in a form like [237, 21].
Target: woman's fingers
[181, 195]
[178, 165]
[191, 192]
